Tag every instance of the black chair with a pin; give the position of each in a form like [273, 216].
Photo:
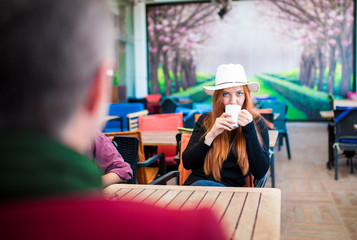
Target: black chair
[346, 135]
[169, 105]
[128, 147]
[138, 100]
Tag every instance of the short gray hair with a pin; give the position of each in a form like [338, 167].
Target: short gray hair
[50, 51]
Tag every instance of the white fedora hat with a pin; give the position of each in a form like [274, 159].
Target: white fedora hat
[231, 75]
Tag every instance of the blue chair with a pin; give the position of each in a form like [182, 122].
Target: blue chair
[280, 108]
[121, 110]
[202, 107]
[261, 182]
[188, 116]
[259, 100]
[346, 134]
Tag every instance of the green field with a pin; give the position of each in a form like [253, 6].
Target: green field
[303, 103]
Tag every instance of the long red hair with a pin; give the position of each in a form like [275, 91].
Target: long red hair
[221, 144]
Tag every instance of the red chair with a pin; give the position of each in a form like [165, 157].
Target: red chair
[153, 101]
[163, 122]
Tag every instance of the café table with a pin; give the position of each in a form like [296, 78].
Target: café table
[243, 213]
[344, 103]
[153, 138]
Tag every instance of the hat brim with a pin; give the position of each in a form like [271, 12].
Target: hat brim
[253, 87]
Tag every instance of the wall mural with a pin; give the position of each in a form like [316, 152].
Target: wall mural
[299, 51]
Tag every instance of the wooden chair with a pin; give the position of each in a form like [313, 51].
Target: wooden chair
[145, 173]
[133, 119]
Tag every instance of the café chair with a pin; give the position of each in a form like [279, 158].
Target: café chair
[268, 115]
[153, 103]
[121, 110]
[138, 100]
[346, 134]
[202, 106]
[352, 95]
[133, 119]
[128, 149]
[263, 98]
[163, 122]
[280, 108]
[169, 105]
[145, 170]
[188, 116]
[183, 173]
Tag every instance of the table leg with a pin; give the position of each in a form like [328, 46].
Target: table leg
[331, 139]
[272, 170]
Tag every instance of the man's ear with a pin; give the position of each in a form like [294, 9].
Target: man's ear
[99, 89]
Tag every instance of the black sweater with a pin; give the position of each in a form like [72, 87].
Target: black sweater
[231, 175]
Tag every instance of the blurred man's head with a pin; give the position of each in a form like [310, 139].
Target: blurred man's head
[54, 55]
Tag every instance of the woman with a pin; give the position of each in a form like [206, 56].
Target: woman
[218, 153]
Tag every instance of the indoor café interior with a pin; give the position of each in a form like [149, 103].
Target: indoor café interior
[178, 119]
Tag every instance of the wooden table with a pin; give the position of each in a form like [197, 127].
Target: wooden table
[244, 213]
[168, 138]
[327, 114]
[154, 138]
[344, 103]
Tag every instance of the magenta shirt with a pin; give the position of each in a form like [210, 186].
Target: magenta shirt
[108, 159]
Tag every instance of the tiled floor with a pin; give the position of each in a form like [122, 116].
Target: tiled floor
[314, 205]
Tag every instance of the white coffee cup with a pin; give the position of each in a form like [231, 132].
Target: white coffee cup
[234, 111]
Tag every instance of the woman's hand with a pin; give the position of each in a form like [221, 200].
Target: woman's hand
[222, 123]
[244, 118]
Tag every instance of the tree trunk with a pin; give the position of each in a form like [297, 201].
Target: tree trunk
[346, 73]
[175, 70]
[303, 69]
[322, 67]
[192, 73]
[168, 85]
[312, 73]
[184, 77]
[307, 70]
[154, 64]
[331, 74]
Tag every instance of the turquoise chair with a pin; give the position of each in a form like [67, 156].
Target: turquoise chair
[280, 108]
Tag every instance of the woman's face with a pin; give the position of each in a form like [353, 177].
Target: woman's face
[233, 96]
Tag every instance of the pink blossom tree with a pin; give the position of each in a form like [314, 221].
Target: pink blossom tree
[174, 33]
[325, 29]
